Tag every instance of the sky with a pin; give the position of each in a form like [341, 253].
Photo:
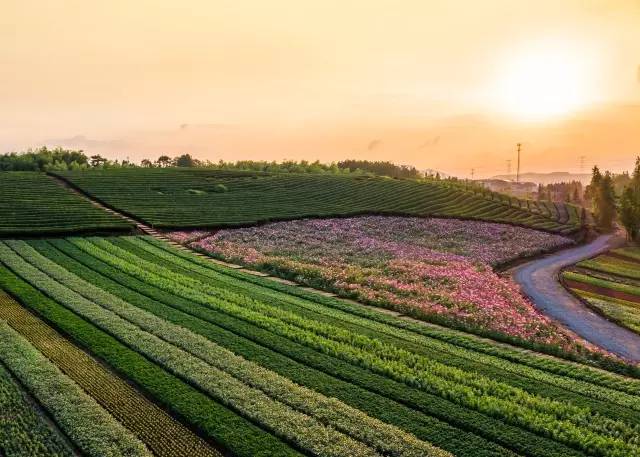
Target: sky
[448, 85]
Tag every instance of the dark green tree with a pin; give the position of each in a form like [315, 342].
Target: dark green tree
[605, 202]
[630, 204]
[185, 160]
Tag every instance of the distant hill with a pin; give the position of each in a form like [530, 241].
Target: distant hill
[549, 178]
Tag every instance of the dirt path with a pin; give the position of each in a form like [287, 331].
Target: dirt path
[539, 281]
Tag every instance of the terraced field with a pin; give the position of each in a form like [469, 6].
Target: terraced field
[192, 198]
[610, 284]
[259, 368]
[35, 204]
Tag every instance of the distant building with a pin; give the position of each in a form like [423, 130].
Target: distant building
[522, 189]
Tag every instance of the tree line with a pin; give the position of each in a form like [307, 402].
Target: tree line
[59, 159]
[616, 197]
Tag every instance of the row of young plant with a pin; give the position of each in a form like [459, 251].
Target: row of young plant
[564, 422]
[167, 202]
[156, 429]
[380, 328]
[85, 422]
[353, 386]
[529, 379]
[33, 203]
[604, 371]
[25, 431]
[604, 283]
[613, 265]
[172, 300]
[425, 345]
[298, 428]
[385, 438]
[215, 421]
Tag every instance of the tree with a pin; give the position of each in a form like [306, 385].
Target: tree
[146, 163]
[605, 202]
[164, 161]
[185, 160]
[97, 160]
[630, 204]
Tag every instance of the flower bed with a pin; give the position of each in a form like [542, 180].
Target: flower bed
[433, 268]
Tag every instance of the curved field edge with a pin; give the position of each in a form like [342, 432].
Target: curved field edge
[581, 355]
[292, 197]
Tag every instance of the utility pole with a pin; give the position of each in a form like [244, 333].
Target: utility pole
[473, 172]
[582, 159]
[518, 169]
[508, 167]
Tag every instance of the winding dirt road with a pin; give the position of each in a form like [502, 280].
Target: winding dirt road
[539, 281]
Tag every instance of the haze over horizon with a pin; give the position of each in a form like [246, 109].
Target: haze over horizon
[441, 85]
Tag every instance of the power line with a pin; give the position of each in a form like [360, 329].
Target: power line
[518, 169]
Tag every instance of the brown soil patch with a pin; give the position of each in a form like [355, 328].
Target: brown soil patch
[601, 290]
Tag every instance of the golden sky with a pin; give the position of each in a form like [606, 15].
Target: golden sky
[449, 85]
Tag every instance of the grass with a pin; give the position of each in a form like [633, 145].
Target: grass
[180, 327]
[191, 198]
[35, 204]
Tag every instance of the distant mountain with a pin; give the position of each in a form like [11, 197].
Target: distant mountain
[549, 178]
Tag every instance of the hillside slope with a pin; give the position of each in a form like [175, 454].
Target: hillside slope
[34, 204]
[192, 198]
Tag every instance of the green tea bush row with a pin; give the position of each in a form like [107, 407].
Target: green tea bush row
[85, 422]
[215, 421]
[564, 422]
[387, 439]
[163, 435]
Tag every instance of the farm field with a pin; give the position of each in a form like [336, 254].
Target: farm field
[256, 367]
[35, 204]
[610, 284]
[433, 269]
[183, 198]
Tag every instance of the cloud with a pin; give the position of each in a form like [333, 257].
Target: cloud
[431, 142]
[374, 144]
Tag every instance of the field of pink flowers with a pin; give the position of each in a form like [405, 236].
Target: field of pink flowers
[433, 268]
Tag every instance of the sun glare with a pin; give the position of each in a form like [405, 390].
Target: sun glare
[544, 83]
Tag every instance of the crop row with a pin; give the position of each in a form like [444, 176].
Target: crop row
[431, 347]
[296, 427]
[452, 337]
[624, 312]
[548, 417]
[631, 290]
[386, 439]
[632, 253]
[162, 435]
[166, 198]
[612, 265]
[192, 406]
[24, 431]
[292, 361]
[33, 203]
[89, 426]
[529, 444]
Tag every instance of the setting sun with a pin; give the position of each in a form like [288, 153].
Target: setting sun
[545, 82]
